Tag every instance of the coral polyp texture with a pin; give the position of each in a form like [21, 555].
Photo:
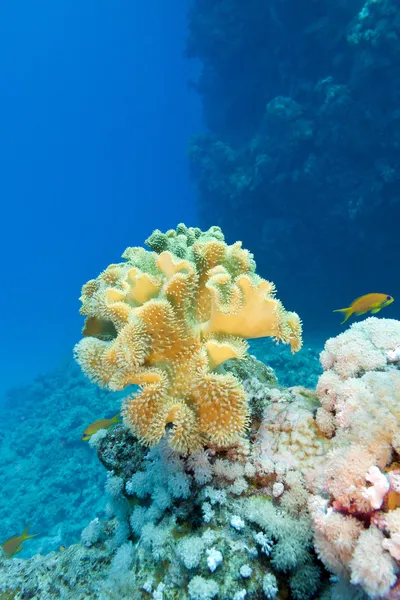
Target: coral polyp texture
[166, 320]
[356, 513]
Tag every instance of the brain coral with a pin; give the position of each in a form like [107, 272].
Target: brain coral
[166, 319]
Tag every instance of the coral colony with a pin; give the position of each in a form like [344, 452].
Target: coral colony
[221, 483]
[171, 317]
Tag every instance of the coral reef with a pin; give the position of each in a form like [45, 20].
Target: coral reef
[302, 134]
[301, 503]
[166, 320]
[74, 574]
[311, 489]
[49, 477]
[355, 512]
[208, 525]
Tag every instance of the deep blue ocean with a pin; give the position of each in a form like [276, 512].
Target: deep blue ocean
[97, 113]
[276, 120]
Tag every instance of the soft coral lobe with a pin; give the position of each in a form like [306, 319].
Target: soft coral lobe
[166, 319]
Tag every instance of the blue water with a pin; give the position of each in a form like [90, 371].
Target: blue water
[97, 113]
[122, 117]
[300, 156]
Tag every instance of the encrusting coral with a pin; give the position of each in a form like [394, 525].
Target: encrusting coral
[166, 320]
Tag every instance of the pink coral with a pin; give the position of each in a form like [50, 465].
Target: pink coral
[379, 488]
[371, 566]
[335, 536]
[345, 477]
[355, 514]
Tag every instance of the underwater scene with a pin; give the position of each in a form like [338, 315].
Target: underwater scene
[200, 382]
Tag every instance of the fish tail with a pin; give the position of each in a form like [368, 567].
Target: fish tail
[117, 418]
[31, 535]
[347, 312]
[26, 536]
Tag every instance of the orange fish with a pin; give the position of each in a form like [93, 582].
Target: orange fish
[369, 303]
[101, 424]
[14, 543]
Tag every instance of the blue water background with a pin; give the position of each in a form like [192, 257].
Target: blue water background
[96, 116]
[300, 157]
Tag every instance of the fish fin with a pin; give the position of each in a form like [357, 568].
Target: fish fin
[26, 536]
[25, 531]
[117, 418]
[347, 311]
[376, 310]
[361, 312]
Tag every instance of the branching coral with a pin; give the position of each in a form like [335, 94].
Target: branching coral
[166, 320]
[203, 519]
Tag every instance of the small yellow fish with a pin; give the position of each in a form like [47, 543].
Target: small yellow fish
[101, 424]
[14, 544]
[369, 303]
[62, 548]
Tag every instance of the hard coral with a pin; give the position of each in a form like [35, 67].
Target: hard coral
[166, 320]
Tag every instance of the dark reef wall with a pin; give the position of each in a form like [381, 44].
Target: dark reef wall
[300, 158]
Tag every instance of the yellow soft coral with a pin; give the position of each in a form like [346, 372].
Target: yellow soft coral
[165, 320]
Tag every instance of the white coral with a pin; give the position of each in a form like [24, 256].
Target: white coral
[363, 347]
[202, 589]
[245, 571]
[92, 533]
[371, 566]
[214, 558]
[199, 463]
[190, 550]
[270, 586]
